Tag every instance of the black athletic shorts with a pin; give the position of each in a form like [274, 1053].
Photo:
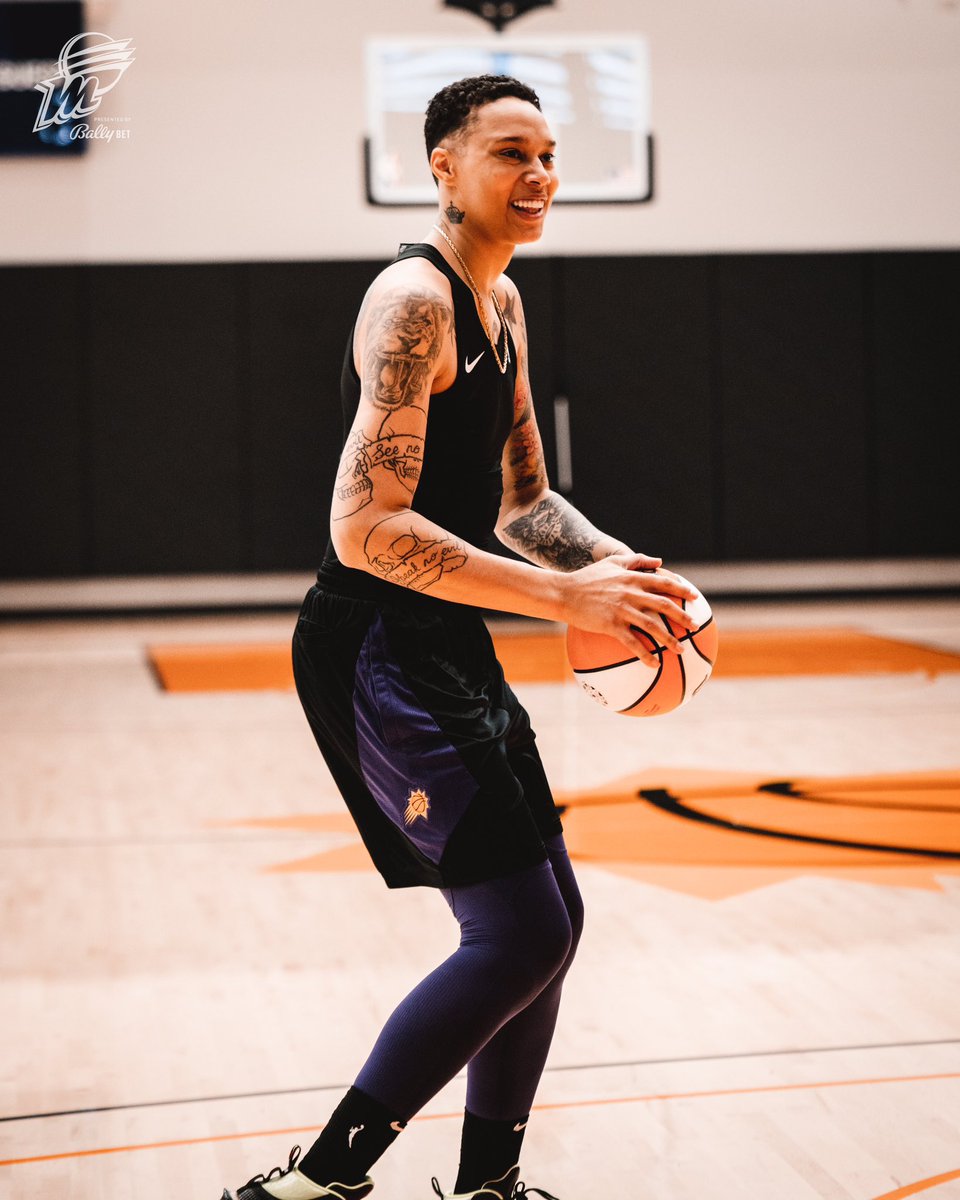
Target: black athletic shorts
[430, 748]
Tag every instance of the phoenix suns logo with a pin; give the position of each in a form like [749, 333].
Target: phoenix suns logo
[418, 805]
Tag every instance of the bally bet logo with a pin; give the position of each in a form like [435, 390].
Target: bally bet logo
[90, 65]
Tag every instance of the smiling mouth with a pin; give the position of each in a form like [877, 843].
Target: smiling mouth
[533, 207]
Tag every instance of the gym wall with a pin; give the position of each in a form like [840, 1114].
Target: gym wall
[760, 363]
[794, 125]
[167, 418]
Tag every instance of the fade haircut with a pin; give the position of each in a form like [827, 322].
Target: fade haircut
[451, 109]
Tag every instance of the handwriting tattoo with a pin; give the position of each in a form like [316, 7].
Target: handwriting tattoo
[404, 339]
[397, 448]
[555, 533]
[410, 559]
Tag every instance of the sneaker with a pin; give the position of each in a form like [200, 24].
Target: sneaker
[252, 1189]
[506, 1187]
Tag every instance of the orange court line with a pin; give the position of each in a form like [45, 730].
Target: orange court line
[541, 658]
[922, 1185]
[597, 1103]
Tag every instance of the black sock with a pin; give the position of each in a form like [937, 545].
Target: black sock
[357, 1133]
[488, 1149]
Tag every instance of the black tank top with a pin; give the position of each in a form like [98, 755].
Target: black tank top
[461, 480]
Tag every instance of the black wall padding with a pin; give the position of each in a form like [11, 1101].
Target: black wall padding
[298, 319]
[186, 418]
[915, 380]
[637, 367]
[44, 471]
[163, 425]
[793, 445]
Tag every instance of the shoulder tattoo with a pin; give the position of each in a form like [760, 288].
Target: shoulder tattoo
[404, 338]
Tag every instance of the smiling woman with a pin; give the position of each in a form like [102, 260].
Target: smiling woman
[495, 161]
[432, 751]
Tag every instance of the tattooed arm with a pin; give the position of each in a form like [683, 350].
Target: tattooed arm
[405, 350]
[534, 521]
[401, 335]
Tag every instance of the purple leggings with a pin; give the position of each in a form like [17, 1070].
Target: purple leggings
[492, 1004]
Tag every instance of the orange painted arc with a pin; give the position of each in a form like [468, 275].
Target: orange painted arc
[922, 1185]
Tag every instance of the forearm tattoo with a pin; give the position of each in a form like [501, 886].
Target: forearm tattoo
[394, 450]
[397, 551]
[526, 452]
[556, 534]
[404, 337]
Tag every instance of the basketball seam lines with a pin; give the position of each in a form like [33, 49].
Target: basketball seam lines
[606, 666]
[693, 633]
[640, 699]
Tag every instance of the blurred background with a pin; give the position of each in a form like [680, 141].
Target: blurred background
[755, 363]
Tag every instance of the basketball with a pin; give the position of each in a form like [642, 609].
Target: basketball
[603, 668]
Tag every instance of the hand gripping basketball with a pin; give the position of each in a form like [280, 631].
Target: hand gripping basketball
[613, 678]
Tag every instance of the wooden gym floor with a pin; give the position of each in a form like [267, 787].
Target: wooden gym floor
[196, 956]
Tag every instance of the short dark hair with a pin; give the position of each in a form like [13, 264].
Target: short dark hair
[452, 108]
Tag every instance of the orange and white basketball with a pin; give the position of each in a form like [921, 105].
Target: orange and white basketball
[606, 672]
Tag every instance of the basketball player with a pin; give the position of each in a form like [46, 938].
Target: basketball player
[432, 751]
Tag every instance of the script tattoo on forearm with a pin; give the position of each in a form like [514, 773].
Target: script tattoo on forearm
[408, 558]
[556, 534]
[404, 337]
[394, 449]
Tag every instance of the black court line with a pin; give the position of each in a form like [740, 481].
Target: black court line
[789, 791]
[667, 802]
[600, 1066]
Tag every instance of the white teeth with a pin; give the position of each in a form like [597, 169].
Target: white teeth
[529, 205]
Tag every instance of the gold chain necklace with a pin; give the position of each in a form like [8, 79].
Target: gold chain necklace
[505, 361]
